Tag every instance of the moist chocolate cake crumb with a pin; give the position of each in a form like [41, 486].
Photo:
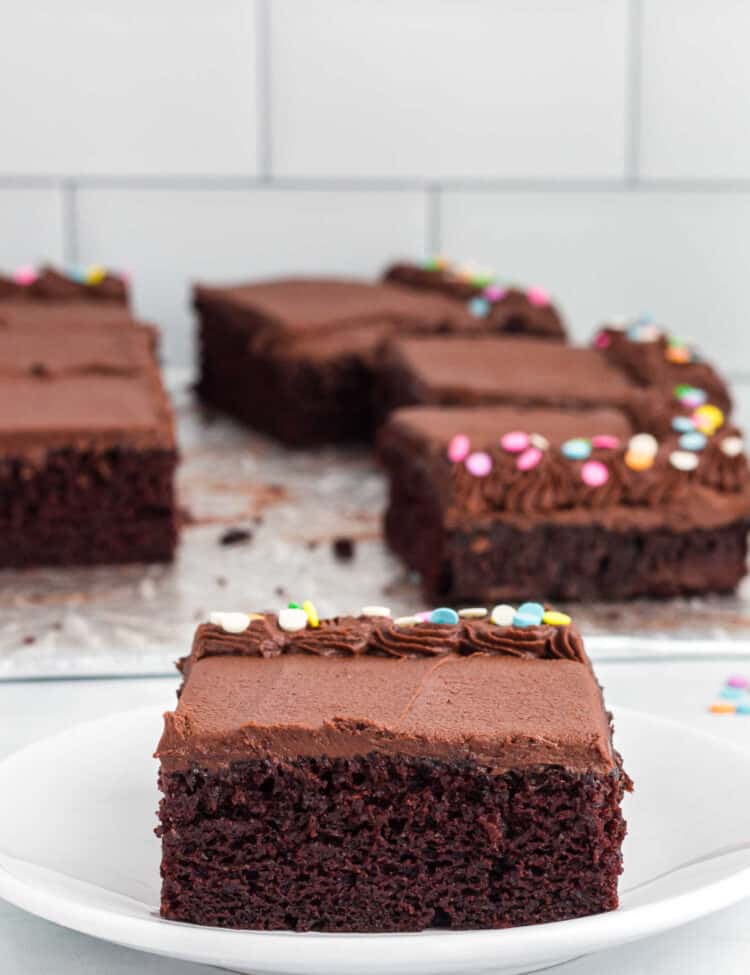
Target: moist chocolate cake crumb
[343, 548]
[235, 536]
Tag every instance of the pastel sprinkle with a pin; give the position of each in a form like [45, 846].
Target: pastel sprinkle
[539, 297]
[637, 461]
[311, 613]
[732, 446]
[644, 443]
[292, 619]
[552, 618]
[722, 707]
[231, 622]
[406, 621]
[603, 441]
[576, 449]
[515, 441]
[537, 440]
[529, 459]
[479, 464]
[531, 609]
[375, 611]
[293, 606]
[602, 340]
[683, 460]
[458, 448]
[683, 424]
[694, 440]
[708, 418]
[255, 616]
[444, 615]
[594, 473]
[693, 398]
[479, 307]
[423, 617]
[473, 613]
[743, 707]
[678, 354]
[25, 275]
[731, 693]
[493, 292]
[737, 680]
[502, 615]
[95, 274]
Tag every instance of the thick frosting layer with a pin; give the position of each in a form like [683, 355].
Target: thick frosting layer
[494, 709]
[50, 285]
[550, 484]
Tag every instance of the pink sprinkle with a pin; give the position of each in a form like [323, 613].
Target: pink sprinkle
[25, 275]
[538, 296]
[737, 680]
[605, 441]
[529, 459]
[692, 400]
[493, 292]
[479, 464]
[515, 441]
[594, 473]
[458, 448]
[423, 617]
[602, 340]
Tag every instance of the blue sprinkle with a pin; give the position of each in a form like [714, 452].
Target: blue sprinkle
[443, 615]
[479, 307]
[743, 708]
[576, 449]
[731, 693]
[530, 614]
[77, 274]
[634, 333]
[522, 620]
[695, 440]
[683, 424]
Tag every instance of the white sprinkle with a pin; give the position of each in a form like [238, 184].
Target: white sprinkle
[502, 615]
[473, 613]
[406, 621]
[644, 443]
[732, 446]
[230, 622]
[292, 620]
[538, 441]
[375, 611]
[683, 460]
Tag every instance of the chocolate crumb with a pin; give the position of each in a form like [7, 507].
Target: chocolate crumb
[280, 591]
[343, 549]
[311, 545]
[235, 536]
[221, 581]
[29, 640]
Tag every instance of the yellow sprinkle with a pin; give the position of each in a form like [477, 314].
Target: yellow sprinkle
[708, 418]
[312, 613]
[95, 274]
[554, 618]
[255, 616]
[721, 707]
[637, 461]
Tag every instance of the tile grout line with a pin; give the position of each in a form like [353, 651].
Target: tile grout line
[264, 131]
[633, 92]
[69, 203]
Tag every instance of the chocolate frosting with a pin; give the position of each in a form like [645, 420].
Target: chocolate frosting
[510, 699]
[53, 287]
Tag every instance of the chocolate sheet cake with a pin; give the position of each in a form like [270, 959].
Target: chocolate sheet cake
[296, 358]
[87, 445]
[488, 502]
[369, 774]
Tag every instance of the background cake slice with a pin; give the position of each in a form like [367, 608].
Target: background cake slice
[363, 774]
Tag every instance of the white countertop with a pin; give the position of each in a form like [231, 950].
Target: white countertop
[719, 945]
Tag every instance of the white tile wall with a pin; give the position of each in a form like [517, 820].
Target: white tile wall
[601, 148]
[137, 87]
[449, 88]
[169, 238]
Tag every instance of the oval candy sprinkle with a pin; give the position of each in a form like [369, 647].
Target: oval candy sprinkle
[524, 620]
[694, 440]
[683, 460]
[680, 355]
[638, 462]
[230, 622]
[514, 441]
[529, 459]
[25, 275]
[458, 448]
[444, 615]
[682, 424]
[473, 613]
[95, 274]
[406, 621]
[708, 418]
[602, 340]
[290, 620]
[538, 297]
[531, 614]
[644, 443]
[479, 464]
[732, 446]
[537, 440]
[552, 618]
[743, 707]
[603, 441]
[375, 611]
[722, 707]
[493, 292]
[422, 617]
[737, 680]
[311, 613]
[594, 473]
[576, 449]
[479, 307]
[502, 615]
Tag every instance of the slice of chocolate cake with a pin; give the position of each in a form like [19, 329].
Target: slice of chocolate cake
[87, 444]
[488, 502]
[364, 774]
[296, 358]
[510, 308]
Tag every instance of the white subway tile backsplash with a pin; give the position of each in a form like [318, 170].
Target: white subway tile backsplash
[682, 256]
[169, 238]
[695, 108]
[137, 88]
[448, 88]
[31, 227]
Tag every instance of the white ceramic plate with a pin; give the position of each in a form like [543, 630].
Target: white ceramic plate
[77, 847]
